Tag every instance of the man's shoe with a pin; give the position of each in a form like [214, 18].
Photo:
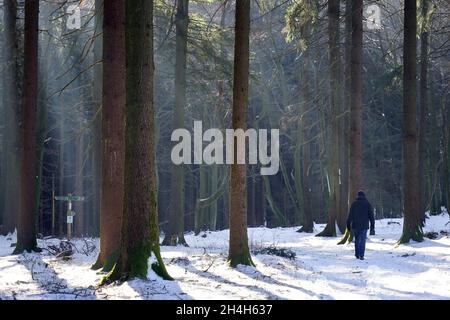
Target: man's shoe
[361, 258]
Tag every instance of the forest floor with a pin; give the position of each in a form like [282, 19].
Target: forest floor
[320, 270]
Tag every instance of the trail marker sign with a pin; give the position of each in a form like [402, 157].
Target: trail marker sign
[70, 213]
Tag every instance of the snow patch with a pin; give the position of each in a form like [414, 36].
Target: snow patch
[321, 269]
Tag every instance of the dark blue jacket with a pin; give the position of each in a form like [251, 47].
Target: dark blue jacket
[361, 213]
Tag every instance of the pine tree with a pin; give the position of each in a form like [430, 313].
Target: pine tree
[334, 61]
[355, 135]
[140, 234]
[97, 118]
[113, 133]
[175, 232]
[239, 252]
[344, 122]
[26, 233]
[346, 197]
[424, 117]
[12, 113]
[412, 224]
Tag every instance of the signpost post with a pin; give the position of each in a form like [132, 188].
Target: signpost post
[70, 213]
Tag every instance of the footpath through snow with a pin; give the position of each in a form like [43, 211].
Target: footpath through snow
[320, 270]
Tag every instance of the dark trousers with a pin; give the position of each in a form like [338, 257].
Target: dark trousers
[360, 242]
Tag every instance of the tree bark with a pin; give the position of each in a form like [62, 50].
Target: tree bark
[140, 234]
[447, 152]
[308, 223]
[175, 231]
[239, 252]
[97, 120]
[424, 118]
[26, 233]
[355, 135]
[11, 102]
[412, 224]
[434, 160]
[344, 122]
[113, 133]
[61, 173]
[353, 101]
[334, 68]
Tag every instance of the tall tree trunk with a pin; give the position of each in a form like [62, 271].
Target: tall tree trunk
[42, 128]
[354, 97]
[26, 233]
[11, 102]
[445, 109]
[61, 172]
[140, 234]
[423, 125]
[344, 152]
[220, 114]
[308, 223]
[412, 224]
[113, 133]
[355, 135]
[175, 231]
[447, 150]
[434, 162]
[334, 60]
[239, 252]
[97, 120]
[344, 122]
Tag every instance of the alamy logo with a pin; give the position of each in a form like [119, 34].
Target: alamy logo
[235, 140]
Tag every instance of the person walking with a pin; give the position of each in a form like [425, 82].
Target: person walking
[359, 218]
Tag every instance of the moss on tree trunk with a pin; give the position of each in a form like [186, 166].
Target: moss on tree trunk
[140, 234]
[411, 233]
[330, 228]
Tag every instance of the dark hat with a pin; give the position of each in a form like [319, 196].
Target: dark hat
[361, 194]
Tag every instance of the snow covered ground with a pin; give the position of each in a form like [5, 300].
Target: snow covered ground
[321, 269]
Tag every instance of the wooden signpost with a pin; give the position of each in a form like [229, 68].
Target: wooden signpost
[70, 213]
